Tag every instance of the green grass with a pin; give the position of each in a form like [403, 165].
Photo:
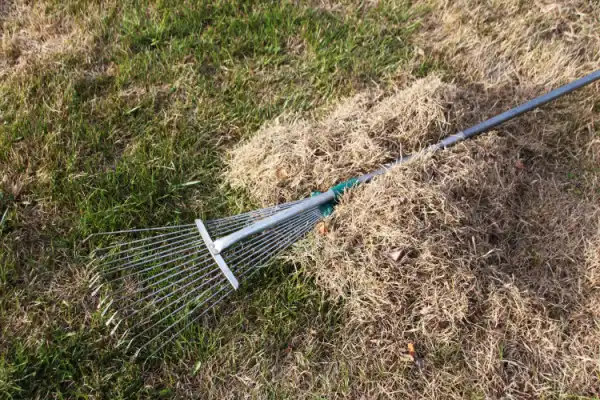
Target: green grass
[106, 137]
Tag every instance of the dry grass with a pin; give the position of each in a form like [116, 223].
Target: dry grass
[108, 111]
[508, 41]
[38, 33]
[486, 257]
[292, 156]
[489, 281]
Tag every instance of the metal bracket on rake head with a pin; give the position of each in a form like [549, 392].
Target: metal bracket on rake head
[216, 256]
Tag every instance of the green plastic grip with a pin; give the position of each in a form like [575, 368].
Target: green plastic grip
[341, 187]
[327, 208]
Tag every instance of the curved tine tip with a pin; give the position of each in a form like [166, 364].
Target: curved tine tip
[112, 332]
[129, 345]
[91, 263]
[110, 320]
[102, 301]
[123, 337]
[95, 292]
[88, 238]
[106, 308]
[137, 353]
[93, 281]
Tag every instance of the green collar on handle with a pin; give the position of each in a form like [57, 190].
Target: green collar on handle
[339, 189]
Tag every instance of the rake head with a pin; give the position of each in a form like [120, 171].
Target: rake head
[174, 275]
[154, 283]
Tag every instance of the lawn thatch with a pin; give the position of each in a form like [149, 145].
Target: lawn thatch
[292, 156]
[484, 256]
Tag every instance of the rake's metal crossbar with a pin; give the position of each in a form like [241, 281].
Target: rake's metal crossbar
[170, 275]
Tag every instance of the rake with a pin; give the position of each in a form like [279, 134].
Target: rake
[162, 281]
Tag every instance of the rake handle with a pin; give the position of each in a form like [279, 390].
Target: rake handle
[335, 192]
[493, 122]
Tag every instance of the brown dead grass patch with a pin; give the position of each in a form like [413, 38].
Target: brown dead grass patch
[484, 256]
[36, 33]
[293, 156]
[490, 282]
[509, 41]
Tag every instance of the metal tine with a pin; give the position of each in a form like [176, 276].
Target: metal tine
[231, 224]
[274, 234]
[186, 295]
[242, 248]
[131, 261]
[258, 240]
[298, 232]
[231, 259]
[191, 229]
[208, 308]
[222, 232]
[241, 254]
[294, 232]
[218, 229]
[264, 233]
[153, 266]
[242, 275]
[225, 286]
[268, 210]
[296, 227]
[228, 225]
[159, 256]
[222, 280]
[147, 255]
[123, 252]
[305, 218]
[205, 264]
[142, 260]
[249, 216]
[254, 267]
[198, 261]
[149, 281]
[146, 229]
[271, 240]
[168, 295]
[154, 276]
[206, 257]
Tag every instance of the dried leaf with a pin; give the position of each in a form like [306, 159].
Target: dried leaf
[519, 164]
[281, 173]
[322, 228]
[419, 362]
[397, 254]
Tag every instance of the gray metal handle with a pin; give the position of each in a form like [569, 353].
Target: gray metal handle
[226, 241]
[311, 202]
[492, 122]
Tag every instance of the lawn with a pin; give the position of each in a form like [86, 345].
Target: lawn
[120, 115]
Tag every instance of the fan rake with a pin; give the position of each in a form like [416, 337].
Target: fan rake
[154, 283]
